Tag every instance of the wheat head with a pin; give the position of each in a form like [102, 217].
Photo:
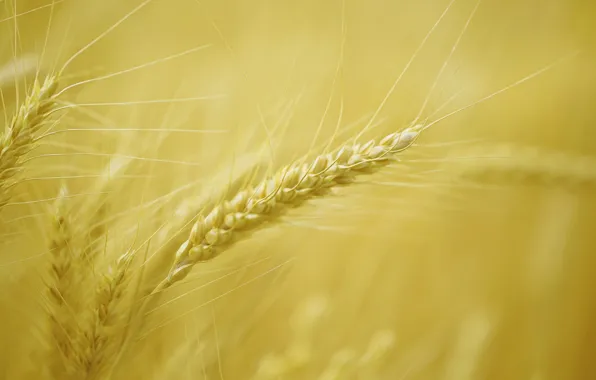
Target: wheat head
[294, 183]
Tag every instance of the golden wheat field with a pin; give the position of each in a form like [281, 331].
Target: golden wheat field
[297, 190]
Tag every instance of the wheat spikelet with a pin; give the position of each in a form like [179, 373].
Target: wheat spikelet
[19, 136]
[96, 348]
[211, 234]
[62, 290]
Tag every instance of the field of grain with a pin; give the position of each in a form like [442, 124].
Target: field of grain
[297, 190]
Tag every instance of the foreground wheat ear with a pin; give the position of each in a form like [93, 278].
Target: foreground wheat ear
[212, 234]
[21, 133]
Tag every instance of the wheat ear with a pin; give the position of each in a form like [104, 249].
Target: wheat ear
[62, 298]
[20, 135]
[211, 235]
[96, 348]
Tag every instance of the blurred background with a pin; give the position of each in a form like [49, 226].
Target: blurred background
[472, 257]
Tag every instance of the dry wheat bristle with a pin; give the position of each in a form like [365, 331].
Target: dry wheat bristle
[97, 346]
[62, 290]
[212, 233]
[20, 135]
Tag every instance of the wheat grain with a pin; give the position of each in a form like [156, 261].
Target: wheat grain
[211, 234]
[20, 135]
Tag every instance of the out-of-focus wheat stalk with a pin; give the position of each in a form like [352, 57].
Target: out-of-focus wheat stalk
[20, 135]
[64, 295]
[99, 341]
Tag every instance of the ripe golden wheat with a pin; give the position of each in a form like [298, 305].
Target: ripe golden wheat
[327, 274]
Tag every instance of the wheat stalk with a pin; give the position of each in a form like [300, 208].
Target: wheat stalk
[20, 135]
[210, 235]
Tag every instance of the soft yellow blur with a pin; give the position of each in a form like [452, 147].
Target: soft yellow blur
[423, 270]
